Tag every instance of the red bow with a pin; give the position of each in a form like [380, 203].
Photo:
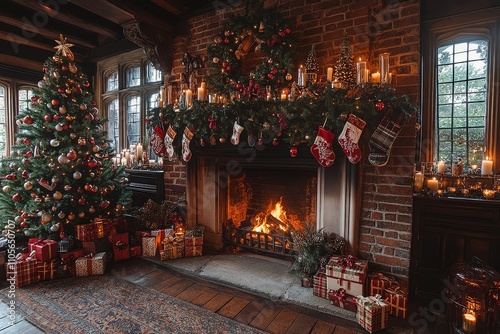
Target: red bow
[212, 122]
[282, 121]
[347, 261]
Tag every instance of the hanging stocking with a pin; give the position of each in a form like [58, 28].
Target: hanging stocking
[186, 140]
[237, 129]
[156, 142]
[169, 139]
[322, 147]
[382, 139]
[349, 138]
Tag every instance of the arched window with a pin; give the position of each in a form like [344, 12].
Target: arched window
[112, 82]
[114, 124]
[133, 76]
[133, 120]
[152, 74]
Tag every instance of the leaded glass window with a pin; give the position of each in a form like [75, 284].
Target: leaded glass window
[133, 112]
[133, 76]
[152, 74]
[112, 82]
[114, 124]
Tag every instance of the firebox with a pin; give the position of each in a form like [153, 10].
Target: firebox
[253, 197]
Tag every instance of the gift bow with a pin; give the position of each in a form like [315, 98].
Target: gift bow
[120, 245]
[171, 240]
[372, 301]
[347, 261]
[340, 294]
[396, 291]
[26, 257]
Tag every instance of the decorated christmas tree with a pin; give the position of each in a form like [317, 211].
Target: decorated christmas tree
[60, 173]
[345, 69]
[312, 65]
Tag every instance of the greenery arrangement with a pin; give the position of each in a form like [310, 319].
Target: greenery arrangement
[312, 248]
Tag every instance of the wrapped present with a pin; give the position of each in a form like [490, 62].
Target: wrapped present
[378, 282]
[91, 265]
[172, 251]
[99, 245]
[190, 251]
[149, 246]
[347, 268]
[352, 288]
[373, 313]
[23, 271]
[66, 244]
[47, 270]
[340, 298]
[45, 250]
[195, 231]
[121, 247]
[397, 300]
[73, 255]
[86, 232]
[135, 251]
[31, 244]
[319, 284]
[161, 234]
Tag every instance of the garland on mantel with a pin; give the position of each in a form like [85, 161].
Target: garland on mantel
[293, 122]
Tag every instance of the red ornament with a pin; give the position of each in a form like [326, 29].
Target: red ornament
[92, 164]
[228, 68]
[34, 99]
[270, 76]
[379, 105]
[226, 40]
[104, 204]
[293, 151]
[87, 187]
[86, 84]
[225, 63]
[25, 174]
[81, 201]
[288, 30]
[28, 120]
[60, 90]
[64, 67]
[23, 224]
[90, 117]
[57, 117]
[275, 142]
[71, 155]
[47, 118]
[16, 197]
[202, 142]
[26, 141]
[55, 102]
[28, 154]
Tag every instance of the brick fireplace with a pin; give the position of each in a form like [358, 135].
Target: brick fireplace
[224, 184]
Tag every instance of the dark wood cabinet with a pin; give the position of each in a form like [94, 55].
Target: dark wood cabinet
[145, 185]
[449, 230]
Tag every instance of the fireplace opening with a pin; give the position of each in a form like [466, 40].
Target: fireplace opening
[264, 205]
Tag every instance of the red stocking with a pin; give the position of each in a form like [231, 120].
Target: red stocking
[349, 138]
[156, 142]
[322, 147]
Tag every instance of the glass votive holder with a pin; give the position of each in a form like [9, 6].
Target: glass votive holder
[428, 168]
[452, 190]
[489, 194]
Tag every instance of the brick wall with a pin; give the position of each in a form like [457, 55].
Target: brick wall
[374, 26]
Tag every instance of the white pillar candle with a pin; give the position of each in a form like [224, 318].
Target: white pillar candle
[440, 167]
[419, 182]
[201, 94]
[301, 78]
[433, 184]
[189, 98]
[486, 167]
[329, 74]
[376, 77]
[139, 151]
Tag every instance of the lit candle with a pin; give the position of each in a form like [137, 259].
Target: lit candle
[473, 167]
[329, 74]
[441, 167]
[301, 78]
[201, 94]
[189, 98]
[419, 182]
[432, 184]
[488, 193]
[486, 167]
[139, 151]
[124, 161]
[336, 83]
[169, 94]
[360, 72]
[376, 77]
[469, 323]
[163, 95]
[283, 96]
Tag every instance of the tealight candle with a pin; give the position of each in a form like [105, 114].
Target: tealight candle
[486, 167]
[469, 323]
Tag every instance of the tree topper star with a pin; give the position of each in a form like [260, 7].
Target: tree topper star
[63, 47]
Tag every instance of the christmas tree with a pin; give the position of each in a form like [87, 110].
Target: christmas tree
[60, 172]
[312, 66]
[345, 70]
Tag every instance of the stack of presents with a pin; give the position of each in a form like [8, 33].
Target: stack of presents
[97, 244]
[346, 282]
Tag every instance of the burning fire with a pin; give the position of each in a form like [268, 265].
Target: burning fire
[262, 221]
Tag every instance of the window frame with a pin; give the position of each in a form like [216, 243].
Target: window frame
[484, 24]
[121, 64]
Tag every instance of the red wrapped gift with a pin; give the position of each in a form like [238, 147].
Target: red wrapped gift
[91, 264]
[378, 282]
[86, 232]
[397, 300]
[135, 251]
[340, 298]
[319, 284]
[23, 271]
[190, 251]
[121, 250]
[45, 250]
[47, 270]
[347, 267]
[31, 244]
[193, 241]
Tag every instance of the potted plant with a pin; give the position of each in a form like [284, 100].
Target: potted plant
[311, 250]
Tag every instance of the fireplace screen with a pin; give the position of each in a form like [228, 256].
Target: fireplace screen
[265, 205]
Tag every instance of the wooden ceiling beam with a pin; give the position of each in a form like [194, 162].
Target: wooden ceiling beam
[172, 6]
[105, 9]
[14, 61]
[46, 32]
[142, 15]
[68, 18]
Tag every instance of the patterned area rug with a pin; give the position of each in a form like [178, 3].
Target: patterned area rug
[107, 304]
